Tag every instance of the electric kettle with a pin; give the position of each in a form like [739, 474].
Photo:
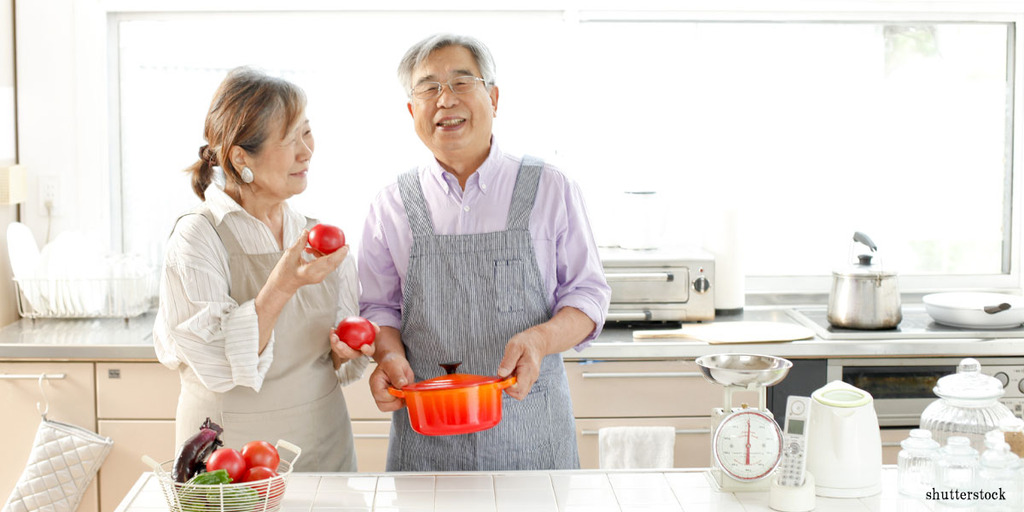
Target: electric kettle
[844, 443]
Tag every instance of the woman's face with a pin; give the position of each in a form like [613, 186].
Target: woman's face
[279, 168]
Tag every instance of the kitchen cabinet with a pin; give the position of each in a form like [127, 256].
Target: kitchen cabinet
[370, 427]
[646, 393]
[891, 438]
[135, 406]
[71, 397]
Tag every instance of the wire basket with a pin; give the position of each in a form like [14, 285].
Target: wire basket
[116, 297]
[257, 496]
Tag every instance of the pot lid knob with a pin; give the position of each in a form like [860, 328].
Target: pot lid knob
[864, 260]
[449, 368]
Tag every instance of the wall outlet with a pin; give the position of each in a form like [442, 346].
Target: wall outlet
[49, 193]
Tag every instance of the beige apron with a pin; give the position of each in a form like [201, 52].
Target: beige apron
[300, 400]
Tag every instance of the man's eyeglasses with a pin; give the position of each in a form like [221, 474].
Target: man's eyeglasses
[458, 85]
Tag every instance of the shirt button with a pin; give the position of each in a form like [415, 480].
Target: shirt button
[465, 208]
[483, 187]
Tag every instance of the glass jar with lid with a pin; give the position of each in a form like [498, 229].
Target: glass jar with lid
[968, 405]
[1013, 434]
[916, 463]
[956, 471]
[999, 476]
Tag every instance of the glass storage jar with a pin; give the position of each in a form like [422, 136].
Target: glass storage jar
[956, 472]
[968, 405]
[916, 463]
[1013, 434]
[999, 476]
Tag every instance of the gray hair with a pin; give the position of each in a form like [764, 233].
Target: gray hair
[421, 50]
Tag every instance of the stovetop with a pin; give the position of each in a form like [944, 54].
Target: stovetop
[916, 324]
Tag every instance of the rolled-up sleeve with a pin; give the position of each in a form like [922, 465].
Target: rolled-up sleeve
[580, 275]
[381, 298]
[198, 323]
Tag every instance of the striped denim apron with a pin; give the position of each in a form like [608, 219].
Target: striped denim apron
[301, 400]
[465, 296]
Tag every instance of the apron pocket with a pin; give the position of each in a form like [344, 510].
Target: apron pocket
[508, 285]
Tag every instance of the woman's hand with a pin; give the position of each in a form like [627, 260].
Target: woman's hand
[341, 352]
[293, 271]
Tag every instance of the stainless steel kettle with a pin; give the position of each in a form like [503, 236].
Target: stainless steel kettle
[864, 295]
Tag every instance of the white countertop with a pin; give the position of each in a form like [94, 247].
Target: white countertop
[683, 490]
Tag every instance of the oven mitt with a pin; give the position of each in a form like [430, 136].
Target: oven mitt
[63, 461]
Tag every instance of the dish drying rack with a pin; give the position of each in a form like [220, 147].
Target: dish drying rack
[113, 297]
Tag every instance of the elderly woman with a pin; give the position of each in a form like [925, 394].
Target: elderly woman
[246, 309]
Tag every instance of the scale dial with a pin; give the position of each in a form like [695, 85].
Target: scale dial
[747, 445]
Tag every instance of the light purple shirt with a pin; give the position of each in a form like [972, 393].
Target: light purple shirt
[559, 228]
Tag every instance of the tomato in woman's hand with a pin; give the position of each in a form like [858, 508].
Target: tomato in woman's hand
[260, 453]
[326, 238]
[229, 460]
[356, 331]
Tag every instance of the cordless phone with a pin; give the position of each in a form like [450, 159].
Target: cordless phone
[794, 446]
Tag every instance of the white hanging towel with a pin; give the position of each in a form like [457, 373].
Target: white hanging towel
[637, 447]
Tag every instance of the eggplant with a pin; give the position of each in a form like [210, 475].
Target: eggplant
[193, 453]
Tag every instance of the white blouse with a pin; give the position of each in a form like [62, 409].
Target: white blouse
[200, 325]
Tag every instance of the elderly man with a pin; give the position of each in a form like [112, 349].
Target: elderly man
[481, 257]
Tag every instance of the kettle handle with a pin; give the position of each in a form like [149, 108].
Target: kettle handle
[864, 239]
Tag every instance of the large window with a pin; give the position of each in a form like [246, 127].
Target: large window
[809, 129]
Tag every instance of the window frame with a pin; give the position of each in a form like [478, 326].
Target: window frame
[94, 166]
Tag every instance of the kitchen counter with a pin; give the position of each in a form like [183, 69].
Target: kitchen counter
[130, 340]
[534, 491]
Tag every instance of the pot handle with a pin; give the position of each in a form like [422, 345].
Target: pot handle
[864, 239]
[396, 392]
[507, 382]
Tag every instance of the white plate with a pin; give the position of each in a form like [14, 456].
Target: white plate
[966, 309]
[23, 250]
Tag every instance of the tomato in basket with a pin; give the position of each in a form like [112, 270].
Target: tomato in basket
[259, 478]
[227, 459]
[260, 453]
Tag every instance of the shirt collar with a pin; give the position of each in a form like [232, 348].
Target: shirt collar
[483, 175]
[221, 204]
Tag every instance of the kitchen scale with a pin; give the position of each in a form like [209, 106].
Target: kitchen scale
[746, 442]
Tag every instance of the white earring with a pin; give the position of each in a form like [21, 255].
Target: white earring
[247, 176]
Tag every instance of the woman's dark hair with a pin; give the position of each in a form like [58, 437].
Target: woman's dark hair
[241, 114]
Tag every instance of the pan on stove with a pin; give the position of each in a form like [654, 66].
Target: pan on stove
[976, 310]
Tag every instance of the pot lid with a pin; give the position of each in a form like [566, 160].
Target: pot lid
[968, 383]
[451, 381]
[864, 267]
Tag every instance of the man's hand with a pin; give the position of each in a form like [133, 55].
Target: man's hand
[392, 370]
[523, 355]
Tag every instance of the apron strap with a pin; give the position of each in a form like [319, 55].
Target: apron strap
[415, 204]
[525, 193]
[225, 234]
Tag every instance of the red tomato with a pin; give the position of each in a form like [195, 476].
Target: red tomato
[257, 473]
[229, 460]
[326, 238]
[260, 453]
[356, 331]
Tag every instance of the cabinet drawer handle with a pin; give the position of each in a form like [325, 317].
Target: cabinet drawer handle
[890, 444]
[636, 316]
[32, 376]
[640, 277]
[370, 436]
[640, 375]
[679, 431]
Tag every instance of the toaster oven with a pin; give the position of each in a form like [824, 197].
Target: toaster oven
[660, 285]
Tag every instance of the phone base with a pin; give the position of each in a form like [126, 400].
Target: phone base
[792, 499]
